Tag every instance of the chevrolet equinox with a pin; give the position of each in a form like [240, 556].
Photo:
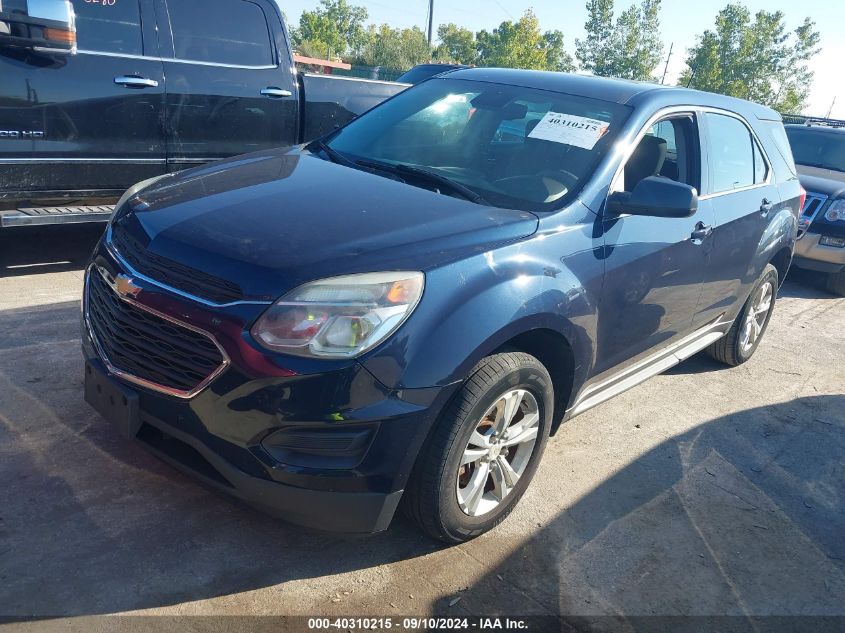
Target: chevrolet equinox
[403, 311]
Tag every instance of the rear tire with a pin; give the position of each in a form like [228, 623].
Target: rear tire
[491, 423]
[741, 341]
[836, 283]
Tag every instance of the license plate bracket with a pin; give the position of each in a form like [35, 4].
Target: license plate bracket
[115, 402]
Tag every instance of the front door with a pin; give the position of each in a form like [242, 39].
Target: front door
[654, 267]
[88, 123]
[229, 89]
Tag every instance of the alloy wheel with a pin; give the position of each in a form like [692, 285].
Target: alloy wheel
[755, 320]
[498, 452]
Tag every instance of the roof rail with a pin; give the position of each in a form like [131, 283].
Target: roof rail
[800, 119]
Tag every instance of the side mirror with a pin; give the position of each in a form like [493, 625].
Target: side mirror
[656, 196]
[45, 26]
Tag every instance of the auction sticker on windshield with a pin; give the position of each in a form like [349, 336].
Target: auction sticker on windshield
[569, 129]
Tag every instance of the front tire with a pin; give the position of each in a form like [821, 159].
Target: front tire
[741, 341]
[484, 450]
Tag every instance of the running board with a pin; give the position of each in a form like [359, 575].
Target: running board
[647, 368]
[38, 216]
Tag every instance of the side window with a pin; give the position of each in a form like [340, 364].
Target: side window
[732, 154]
[665, 130]
[221, 32]
[761, 169]
[109, 26]
[670, 149]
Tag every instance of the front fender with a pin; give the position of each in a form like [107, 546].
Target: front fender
[473, 307]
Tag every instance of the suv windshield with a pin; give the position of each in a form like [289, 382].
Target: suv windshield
[514, 147]
[816, 148]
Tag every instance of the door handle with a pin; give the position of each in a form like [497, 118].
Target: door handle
[766, 206]
[701, 232]
[131, 81]
[276, 93]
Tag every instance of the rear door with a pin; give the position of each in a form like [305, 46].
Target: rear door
[230, 88]
[743, 195]
[90, 123]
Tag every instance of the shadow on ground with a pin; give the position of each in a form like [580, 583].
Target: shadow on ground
[805, 284]
[743, 515]
[47, 249]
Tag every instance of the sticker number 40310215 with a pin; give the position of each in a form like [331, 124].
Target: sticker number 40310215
[569, 129]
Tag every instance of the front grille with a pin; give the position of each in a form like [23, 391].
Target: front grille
[171, 273]
[145, 345]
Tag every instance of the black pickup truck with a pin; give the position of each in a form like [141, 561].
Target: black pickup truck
[96, 95]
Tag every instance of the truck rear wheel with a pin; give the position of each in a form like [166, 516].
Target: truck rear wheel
[484, 451]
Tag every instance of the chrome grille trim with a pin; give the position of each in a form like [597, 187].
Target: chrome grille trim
[137, 380]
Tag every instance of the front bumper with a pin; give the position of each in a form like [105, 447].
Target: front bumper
[812, 255]
[242, 434]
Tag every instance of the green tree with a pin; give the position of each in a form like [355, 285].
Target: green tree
[333, 28]
[629, 48]
[521, 45]
[754, 58]
[457, 44]
[397, 49]
[594, 52]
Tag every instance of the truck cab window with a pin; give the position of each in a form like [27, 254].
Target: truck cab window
[221, 32]
[109, 26]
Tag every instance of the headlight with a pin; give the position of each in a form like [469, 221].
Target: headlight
[836, 211]
[339, 317]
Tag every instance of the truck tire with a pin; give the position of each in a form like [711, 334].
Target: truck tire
[836, 283]
[741, 341]
[484, 450]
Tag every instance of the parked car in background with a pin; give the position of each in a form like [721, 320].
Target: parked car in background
[126, 91]
[405, 310]
[819, 151]
[421, 72]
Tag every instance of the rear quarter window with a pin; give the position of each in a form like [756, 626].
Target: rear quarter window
[777, 133]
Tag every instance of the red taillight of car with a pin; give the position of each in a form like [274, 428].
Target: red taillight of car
[801, 200]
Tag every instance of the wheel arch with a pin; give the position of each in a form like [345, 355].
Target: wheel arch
[555, 352]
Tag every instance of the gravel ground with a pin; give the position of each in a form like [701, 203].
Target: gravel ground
[705, 491]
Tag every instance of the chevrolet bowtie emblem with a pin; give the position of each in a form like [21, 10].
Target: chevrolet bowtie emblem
[124, 286]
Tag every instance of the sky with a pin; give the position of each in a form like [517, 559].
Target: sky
[681, 21]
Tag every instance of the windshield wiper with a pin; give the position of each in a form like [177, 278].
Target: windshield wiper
[424, 174]
[334, 155]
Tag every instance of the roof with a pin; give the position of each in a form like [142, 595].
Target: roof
[622, 91]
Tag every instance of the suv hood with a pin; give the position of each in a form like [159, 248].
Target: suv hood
[819, 180]
[274, 220]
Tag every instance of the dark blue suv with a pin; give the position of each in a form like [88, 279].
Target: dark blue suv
[404, 311]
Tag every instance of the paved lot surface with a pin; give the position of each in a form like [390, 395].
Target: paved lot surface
[704, 491]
